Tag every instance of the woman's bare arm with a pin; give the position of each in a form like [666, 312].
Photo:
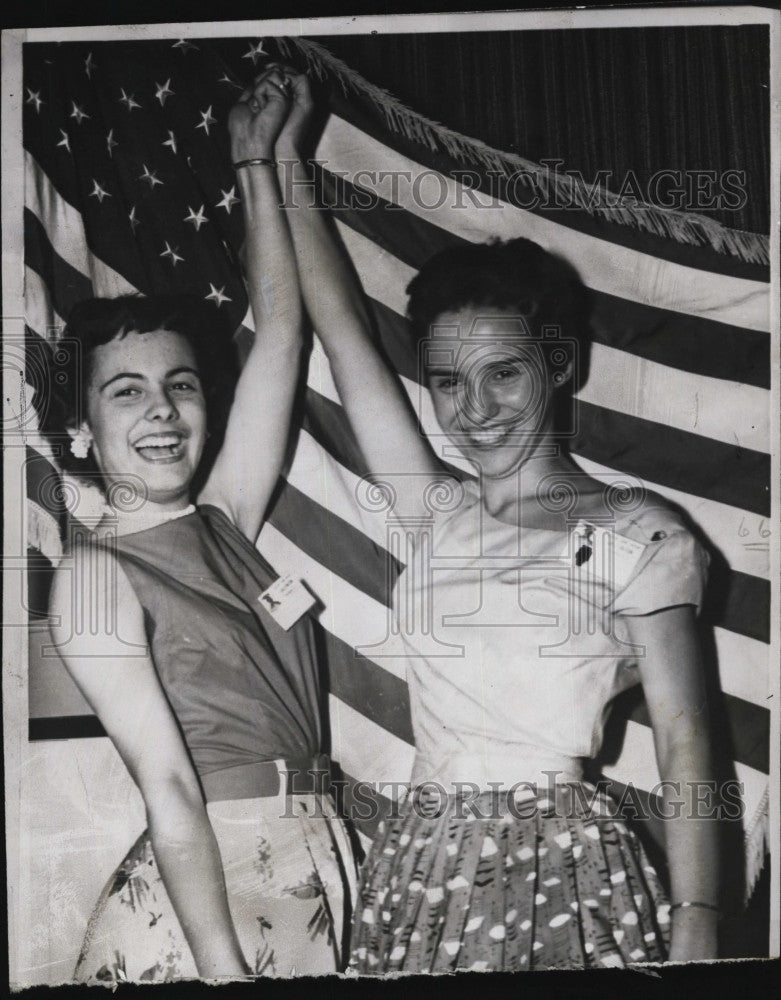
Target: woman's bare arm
[248, 466]
[113, 670]
[673, 683]
[379, 410]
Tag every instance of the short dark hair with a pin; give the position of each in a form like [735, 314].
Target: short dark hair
[95, 322]
[516, 275]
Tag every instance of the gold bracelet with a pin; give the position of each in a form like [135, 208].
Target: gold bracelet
[687, 904]
[257, 161]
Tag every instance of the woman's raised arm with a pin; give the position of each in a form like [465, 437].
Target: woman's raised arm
[379, 410]
[249, 463]
[116, 675]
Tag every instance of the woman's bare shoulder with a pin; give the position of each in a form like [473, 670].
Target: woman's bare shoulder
[90, 588]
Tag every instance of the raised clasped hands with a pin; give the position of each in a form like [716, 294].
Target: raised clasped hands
[256, 120]
[272, 116]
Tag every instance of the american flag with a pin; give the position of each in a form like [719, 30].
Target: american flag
[128, 186]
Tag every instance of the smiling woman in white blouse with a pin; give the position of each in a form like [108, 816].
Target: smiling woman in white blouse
[560, 593]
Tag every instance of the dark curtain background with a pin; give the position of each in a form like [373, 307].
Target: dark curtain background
[622, 99]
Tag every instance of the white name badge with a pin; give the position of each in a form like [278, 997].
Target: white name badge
[612, 557]
[286, 600]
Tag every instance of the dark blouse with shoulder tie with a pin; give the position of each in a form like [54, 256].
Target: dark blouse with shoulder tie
[242, 688]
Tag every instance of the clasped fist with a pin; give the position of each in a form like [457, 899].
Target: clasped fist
[272, 115]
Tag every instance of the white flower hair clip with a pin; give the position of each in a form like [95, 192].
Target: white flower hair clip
[80, 444]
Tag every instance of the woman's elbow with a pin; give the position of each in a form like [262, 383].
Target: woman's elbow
[173, 801]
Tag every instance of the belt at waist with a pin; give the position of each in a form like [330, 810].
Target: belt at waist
[520, 764]
[265, 778]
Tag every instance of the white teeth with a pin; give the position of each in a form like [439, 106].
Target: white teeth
[159, 441]
[486, 437]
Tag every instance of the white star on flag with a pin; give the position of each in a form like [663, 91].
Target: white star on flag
[129, 100]
[208, 119]
[229, 199]
[171, 252]
[88, 64]
[133, 220]
[184, 45]
[65, 141]
[111, 142]
[163, 91]
[255, 52]
[78, 113]
[98, 192]
[34, 98]
[151, 178]
[197, 218]
[217, 295]
[171, 141]
[226, 79]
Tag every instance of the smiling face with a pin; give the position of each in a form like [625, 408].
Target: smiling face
[146, 413]
[491, 390]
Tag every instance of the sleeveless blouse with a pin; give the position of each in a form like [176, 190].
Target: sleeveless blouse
[242, 688]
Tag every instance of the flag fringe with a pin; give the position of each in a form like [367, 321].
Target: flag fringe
[552, 186]
[757, 841]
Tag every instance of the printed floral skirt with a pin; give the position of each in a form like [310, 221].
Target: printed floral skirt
[497, 884]
[290, 877]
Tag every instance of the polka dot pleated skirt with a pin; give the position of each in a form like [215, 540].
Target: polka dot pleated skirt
[496, 884]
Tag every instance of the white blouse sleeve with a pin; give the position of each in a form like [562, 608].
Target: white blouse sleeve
[672, 572]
